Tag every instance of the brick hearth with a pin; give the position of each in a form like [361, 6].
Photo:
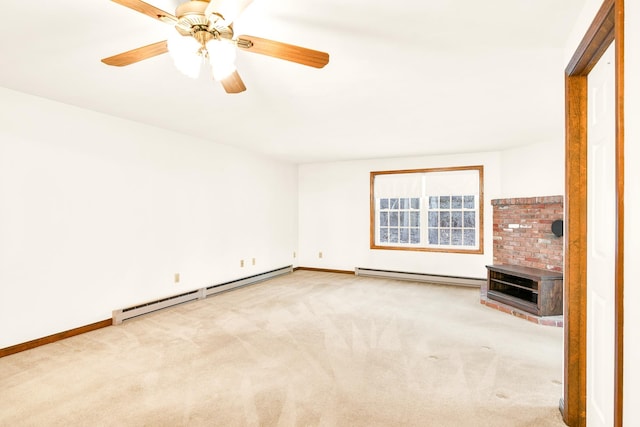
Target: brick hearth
[557, 321]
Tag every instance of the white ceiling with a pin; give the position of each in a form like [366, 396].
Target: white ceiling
[411, 77]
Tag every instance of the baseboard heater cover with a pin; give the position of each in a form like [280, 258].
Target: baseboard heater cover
[222, 287]
[421, 277]
[140, 309]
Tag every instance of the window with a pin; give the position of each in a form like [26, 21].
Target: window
[427, 209]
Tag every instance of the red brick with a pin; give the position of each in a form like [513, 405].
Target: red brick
[520, 245]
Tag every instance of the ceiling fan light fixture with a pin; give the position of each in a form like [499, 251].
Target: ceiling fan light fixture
[222, 57]
[186, 54]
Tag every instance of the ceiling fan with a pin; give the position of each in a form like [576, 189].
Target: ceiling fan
[205, 33]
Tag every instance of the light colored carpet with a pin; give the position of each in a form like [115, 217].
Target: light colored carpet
[305, 349]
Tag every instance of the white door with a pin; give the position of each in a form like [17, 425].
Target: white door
[601, 232]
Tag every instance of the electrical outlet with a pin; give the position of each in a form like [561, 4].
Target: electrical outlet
[320, 254]
[294, 254]
[176, 278]
[241, 263]
[253, 261]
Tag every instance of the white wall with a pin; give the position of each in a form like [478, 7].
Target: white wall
[334, 217]
[98, 213]
[534, 170]
[632, 194]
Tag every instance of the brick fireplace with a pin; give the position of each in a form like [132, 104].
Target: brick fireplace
[522, 232]
[523, 236]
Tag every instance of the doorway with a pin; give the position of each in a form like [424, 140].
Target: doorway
[606, 27]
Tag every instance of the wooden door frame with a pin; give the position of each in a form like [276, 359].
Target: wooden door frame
[607, 26]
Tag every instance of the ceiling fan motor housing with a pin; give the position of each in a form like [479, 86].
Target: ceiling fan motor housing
[195, 7]
[192, 21]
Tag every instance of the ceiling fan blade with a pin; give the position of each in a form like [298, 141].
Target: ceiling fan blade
[228, 9]
[289, 52]
[233, 83]
[148, 10]
[135, 55]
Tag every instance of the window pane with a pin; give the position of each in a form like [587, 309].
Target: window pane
[384, 218]
[469, 202]
[404, 235]
[456, 202]
[384, 203]
[433, 202]
[469, 219]
[393, 219]
[445, 202]
[456, 236]
[433, 236]
[415, 203]
[415, 235]
[444, 236]
[456, 219]
[445, 220]
[393, 235]
[404, 219]
[384, 235]
[415, 219]
[470, 237]
[433, 219]
[404, 203]
[393, 203]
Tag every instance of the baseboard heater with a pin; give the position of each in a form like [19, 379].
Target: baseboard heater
[123, 314]
[421, 277]
[222, 287]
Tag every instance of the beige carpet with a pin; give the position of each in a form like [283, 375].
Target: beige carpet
[305, 349]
